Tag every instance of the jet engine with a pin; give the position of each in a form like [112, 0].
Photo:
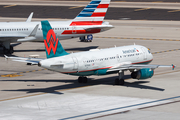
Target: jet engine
[142, 74]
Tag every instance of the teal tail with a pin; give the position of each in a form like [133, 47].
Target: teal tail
[52, 45]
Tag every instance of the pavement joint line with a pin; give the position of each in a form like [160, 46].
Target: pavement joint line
[119, 108]
[170, 102]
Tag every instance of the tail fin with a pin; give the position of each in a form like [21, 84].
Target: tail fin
[93, 13]
[52, 45]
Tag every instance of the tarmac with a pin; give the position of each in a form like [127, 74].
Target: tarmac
[31, 92]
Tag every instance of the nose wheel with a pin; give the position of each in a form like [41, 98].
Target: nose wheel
[82, 79]
[120, 80]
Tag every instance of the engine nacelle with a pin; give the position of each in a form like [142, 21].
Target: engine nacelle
[142, 74]
[101, 72]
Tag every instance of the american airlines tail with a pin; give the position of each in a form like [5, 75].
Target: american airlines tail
[92, 14]
[52, 45]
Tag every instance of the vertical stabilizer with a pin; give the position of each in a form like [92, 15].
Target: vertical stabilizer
[93, 13]
[52, 45]
[30, 17]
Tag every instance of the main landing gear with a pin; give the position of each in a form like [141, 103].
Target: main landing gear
[89, 38]
[8, 51]
[6, 47]
[82, 79]
[120, 80]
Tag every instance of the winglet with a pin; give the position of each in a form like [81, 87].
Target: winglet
[30, 17]
[173, 66]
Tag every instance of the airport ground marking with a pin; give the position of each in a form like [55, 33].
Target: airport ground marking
[139, 38]
[10, 6]
[166, 51]
[174, 11]
[19, 74]
[11, 75]
[75, 7]
[142, 9]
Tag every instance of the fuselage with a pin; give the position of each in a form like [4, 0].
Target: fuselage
[63, 30]
[90, 62]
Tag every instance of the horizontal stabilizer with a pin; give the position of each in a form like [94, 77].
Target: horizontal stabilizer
[33, 61]
[104, 28]
[26, 39]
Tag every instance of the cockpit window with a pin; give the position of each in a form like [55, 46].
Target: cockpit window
[149, 52]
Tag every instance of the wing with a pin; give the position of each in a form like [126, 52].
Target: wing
[137, 67]
[32, 61]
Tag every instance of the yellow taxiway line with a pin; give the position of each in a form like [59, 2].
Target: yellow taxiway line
[10, 6]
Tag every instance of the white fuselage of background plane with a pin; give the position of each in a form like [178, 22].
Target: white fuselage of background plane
[63, 29]
[96, 59]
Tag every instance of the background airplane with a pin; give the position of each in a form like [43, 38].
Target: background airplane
[86, 23]
[134, 58]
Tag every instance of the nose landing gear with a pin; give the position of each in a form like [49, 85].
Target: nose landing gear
[120, 80]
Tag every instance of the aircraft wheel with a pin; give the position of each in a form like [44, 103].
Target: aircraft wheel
[121, 81]
[116, 82]
[80, 79]
[11, 50]
[82, 38]
[84, 80]
[5, 51]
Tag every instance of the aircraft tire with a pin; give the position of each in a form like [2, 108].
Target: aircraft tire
[121, 82]
[116, 82]
[11, 50]
[5, 51]
[84, 80]
[80, 79]
[82, 38]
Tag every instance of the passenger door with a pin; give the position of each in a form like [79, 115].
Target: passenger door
[75, 63]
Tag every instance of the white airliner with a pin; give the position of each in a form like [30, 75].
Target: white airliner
[134, 58]
[87, 22]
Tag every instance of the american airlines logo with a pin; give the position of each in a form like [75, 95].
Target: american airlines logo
[130, 51]
[51, 42]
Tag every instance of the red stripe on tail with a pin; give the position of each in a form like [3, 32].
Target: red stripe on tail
[103, 6]
[81, 31]
[98, 14]
[74, 23]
